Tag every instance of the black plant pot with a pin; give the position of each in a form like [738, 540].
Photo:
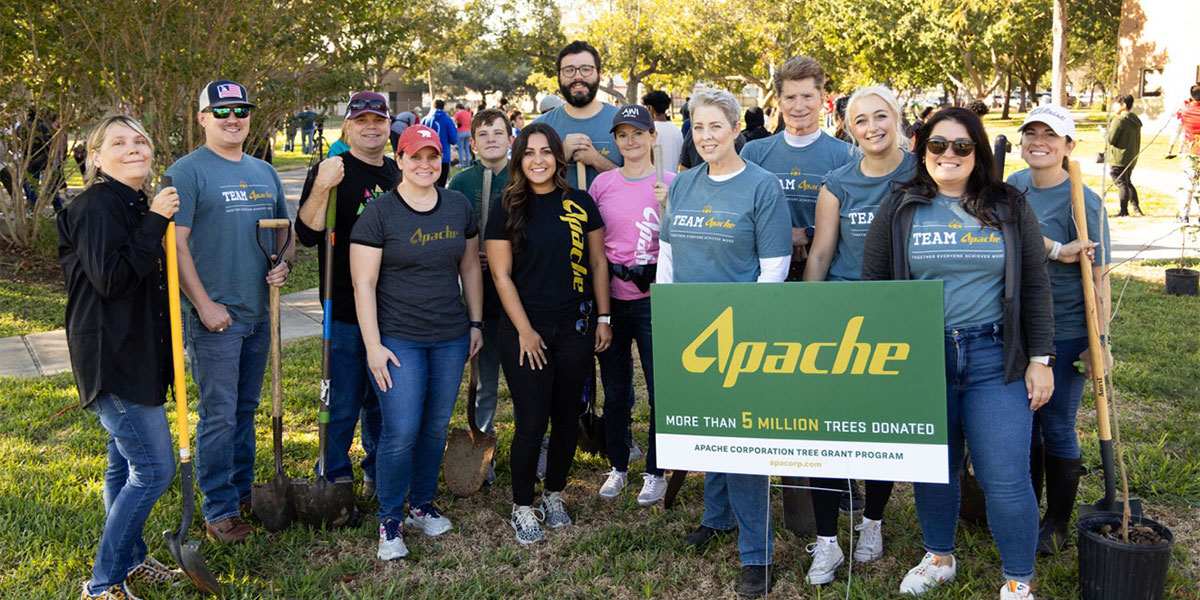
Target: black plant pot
[1113, 570]
[1183, 282]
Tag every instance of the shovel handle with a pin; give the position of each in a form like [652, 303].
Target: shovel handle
[485, 200]
[656, 155]
[180, 384]
[581, 175]
[472, 397]
[1096, 352]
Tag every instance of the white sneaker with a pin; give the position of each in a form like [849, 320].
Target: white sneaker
[391, 541]
[1015, 590]
[526, 522]
[428, 519]
[870, 541]
[555, 510]
[827, 557]
[614, 484]
[929, 574]
[654, 487]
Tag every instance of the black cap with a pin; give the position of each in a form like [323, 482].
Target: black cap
[223, 92]
[633, 114]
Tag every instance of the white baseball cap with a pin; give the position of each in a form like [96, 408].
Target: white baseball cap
[1056, 117]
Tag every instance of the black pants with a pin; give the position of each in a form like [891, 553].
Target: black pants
[441, 182]
[1125, 190]
[826, 504]
[630, 321]
[546, 396]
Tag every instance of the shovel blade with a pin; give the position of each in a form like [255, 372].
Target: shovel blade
[273, 503]
[323, 503]
[192, 562]
[465, 464]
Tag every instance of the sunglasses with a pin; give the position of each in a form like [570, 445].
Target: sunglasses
[373, 104]
[585, 309]
[938, 145]
[585, 70]
[223, 112]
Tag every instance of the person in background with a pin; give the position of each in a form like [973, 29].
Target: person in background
[308, 129]
[1124, 145]
[669, 136]
[749, 197]
[462, 121]
[839, 114]
[401, 122]
[1047, 139]
[517, 119]
[111, 251]
[1189, 146]
[956, 222]
[629, 199]
[447, 132]
[755, 125]
[583, 121]
[548, 103]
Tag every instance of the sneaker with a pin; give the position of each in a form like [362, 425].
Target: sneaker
[391, 541]
[931, 572]
[827, 557]
[555, 510]
[1016, 590]
[368, 489]
[526, 522]
[428, 519]
[756, 580]
[614, 484]
[853, 499]
[116, 592]
[232, 530]
[635, 453]
[541, 466]
[152, 572]
[654, 487]
[870, 540]
[701, 536]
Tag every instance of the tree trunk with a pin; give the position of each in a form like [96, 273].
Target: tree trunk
[432, 96]
[1058, 87]
[1007, 94]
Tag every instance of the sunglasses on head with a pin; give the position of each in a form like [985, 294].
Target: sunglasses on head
[373, 104]
[938, 145]
[223, 112]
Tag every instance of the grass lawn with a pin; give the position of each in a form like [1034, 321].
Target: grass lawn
[51, 507]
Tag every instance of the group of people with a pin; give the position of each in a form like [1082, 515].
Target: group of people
[563, 275]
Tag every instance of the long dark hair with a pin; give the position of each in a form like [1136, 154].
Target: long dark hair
[518, 194]
[984, 187]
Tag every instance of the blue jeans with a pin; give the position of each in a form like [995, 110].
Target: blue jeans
[416, 412]
[464, 149]
[488, 385]
[630, 321]
[141, 466]
[734, 499]
[307, 140]
[228, 368]
[1054, 422]
[351, 400]
[993, 417]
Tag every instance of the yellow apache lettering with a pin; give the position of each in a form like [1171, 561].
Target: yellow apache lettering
[575, 217]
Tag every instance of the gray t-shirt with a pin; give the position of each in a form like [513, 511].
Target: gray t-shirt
[800, 170]
[859, 197]
[597, 127]
[221, 201]
[1052, 206]
[719, 229]
[950, 245]
[417, 296]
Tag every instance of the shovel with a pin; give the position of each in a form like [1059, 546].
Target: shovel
[186, 555]
[272, 502]
[468, 452]
[324, 503]
[1109, 502]
[581, 176]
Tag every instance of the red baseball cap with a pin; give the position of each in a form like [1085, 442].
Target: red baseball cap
[416, 137]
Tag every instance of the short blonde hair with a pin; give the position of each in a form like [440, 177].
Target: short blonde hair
[719, 99]
[96, 138]
[893, 106]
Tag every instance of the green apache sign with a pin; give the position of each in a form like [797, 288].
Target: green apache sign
[830, 379]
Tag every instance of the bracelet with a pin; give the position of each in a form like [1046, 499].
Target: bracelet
[1054, 250]
[477, 325]
[604, 320]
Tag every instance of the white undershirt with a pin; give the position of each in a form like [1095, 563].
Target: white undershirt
[727, 176]
[800, 141]
[770, 270]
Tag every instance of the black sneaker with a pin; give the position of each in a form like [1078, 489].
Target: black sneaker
[701, 536]
[853, 499]
[756, 581]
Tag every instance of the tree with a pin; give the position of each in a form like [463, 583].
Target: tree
[1024, 31]
[1093, 41]
[1058, 88]
[639, 39]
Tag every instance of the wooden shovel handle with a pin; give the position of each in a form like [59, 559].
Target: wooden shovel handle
[1096, 351]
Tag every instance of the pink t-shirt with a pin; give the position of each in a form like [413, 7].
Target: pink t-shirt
[462, 119]
[631, 224]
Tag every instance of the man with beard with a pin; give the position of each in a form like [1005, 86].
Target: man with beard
[359, 175]
[583, 122]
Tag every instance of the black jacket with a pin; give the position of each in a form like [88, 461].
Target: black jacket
[1027, 303]
[110, 247]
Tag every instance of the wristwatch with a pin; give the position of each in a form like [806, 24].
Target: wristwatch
[477, 325]
[1042, 360]
[604, 319]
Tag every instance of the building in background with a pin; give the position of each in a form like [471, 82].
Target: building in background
[1158, 56]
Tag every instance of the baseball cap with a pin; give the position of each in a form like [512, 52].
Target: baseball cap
[633, 114]
[223, 92]
[1056, 117]
[548, 103]
[367, 102]
[416, 137]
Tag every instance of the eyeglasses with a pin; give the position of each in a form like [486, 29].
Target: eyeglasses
[585, 70]
[223, 112]
[361, 103]
[938, 145]
[585, 309]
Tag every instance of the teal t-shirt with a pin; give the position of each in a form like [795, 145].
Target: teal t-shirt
[597, 127]
[800, 171]
[859, 197]
[469, 182]
[1052, 206]
[222, 201]
[950, 245]
[719, 229]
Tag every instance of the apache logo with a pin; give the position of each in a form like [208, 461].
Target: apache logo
[751, 357]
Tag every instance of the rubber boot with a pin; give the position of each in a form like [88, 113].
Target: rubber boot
[1037, 469]
[1062, 483]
